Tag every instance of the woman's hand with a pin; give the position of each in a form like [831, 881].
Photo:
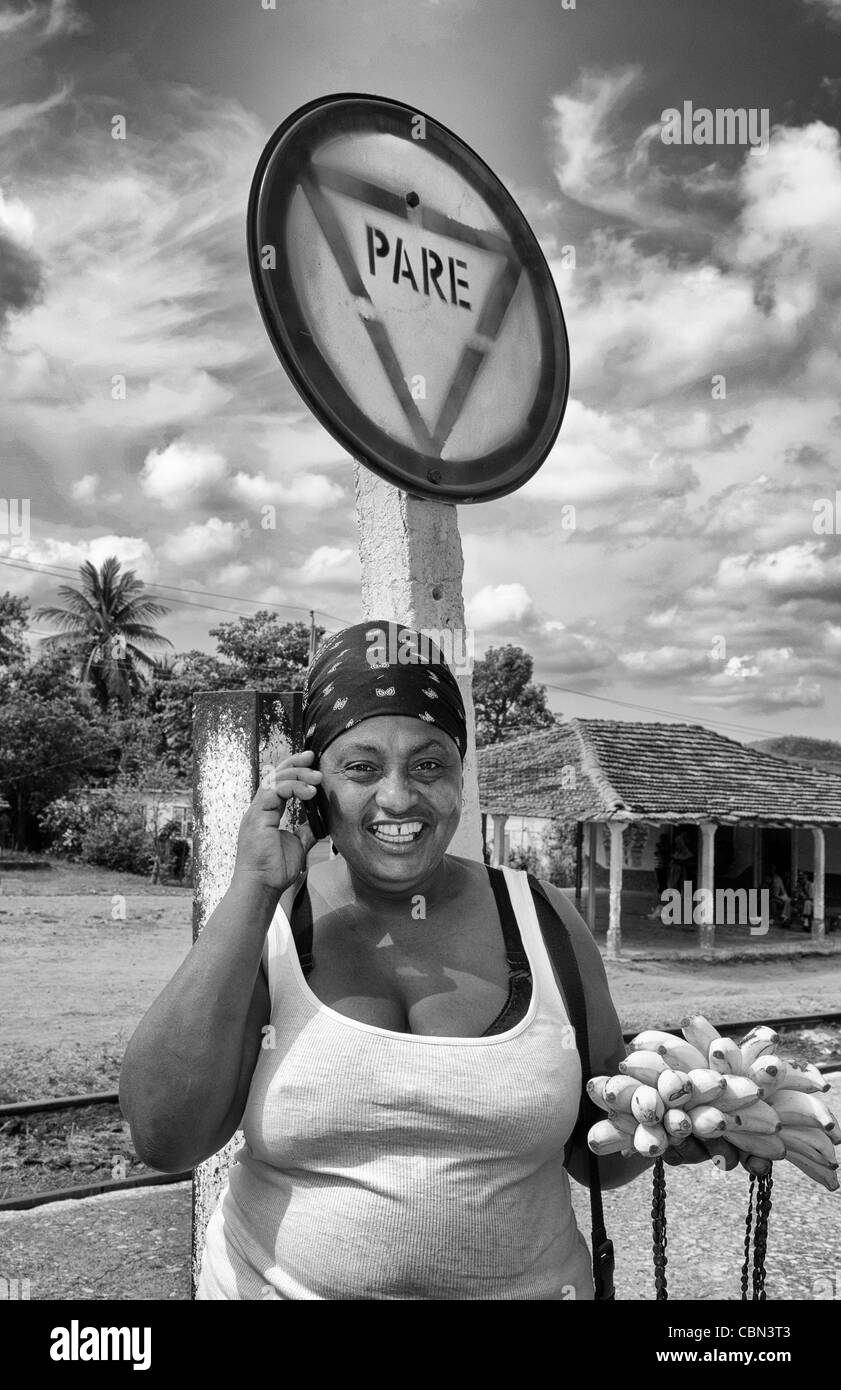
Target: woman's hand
[266, 855]
[723, 1155]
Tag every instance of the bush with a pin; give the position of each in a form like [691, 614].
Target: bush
[106, 828]
[559, 854]
[524, 859]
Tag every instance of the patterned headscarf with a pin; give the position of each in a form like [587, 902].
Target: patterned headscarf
[376, 668]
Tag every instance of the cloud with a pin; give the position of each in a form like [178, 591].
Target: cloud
[311, 490]
[178, 474]
[21, 275]
[805, 570]
[330, 563]
[86, 488]
[831, 8]
[201, 542]
[40, 22]
[133, 552]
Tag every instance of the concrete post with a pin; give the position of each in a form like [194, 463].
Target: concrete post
[707, 877]
[591, 876]
[617, 859]
[795, 855]
[499, 840]
[237, 735]
[412, 569]
[819, 911]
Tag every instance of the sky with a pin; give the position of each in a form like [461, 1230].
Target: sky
[699, 449]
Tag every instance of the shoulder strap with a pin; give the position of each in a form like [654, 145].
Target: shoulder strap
[300, 920]
[562, 954]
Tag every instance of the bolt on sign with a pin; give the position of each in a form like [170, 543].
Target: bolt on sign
[408, 299]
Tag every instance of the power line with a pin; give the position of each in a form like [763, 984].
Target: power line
[672, 714]
[59, 571]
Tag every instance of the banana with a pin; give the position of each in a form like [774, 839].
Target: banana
[707, 1121]
[650, 1140]
[769, 1072]
[644, 1066]
[802, 1076]
[677, 1125]
[835, 1132]
[699, 1032]
[605, 1138]
[757, 1117]
[755, 1043]
[816, 1143]
[738, 1092]
[678, 1053]
[763, 1145]
[707, 1086]
[675, 1140]
[726, 1056]
[760, 1167]
[797, 1108]
[626, 1123]
[674, 1087]
[652, 1040]
[595, 1090]
[647, 1105]
[827, 1177]
[618, 1091]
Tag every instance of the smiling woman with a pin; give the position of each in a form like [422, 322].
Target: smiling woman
[388, 1028]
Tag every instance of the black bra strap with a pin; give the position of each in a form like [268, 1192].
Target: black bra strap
[514, 950]
[302, 930]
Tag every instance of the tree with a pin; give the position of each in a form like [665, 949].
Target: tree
[507, 704]
[104, 625]
[52, 738]
[14, 614]
[268, 654]
[168, 710]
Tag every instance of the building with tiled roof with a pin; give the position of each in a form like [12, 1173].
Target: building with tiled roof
[591, 771]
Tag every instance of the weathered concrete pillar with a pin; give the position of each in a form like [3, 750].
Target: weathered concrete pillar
[617, 859]
[795, 855]
[592, 846]
[707, 883]
[499, 840]
[819, 911]
[412, 570]
[237, 735]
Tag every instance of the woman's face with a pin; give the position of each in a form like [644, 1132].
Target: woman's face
[393, 786]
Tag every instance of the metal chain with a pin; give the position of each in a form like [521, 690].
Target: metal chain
[748, 1225]
[658, 1220]
[762, 1187]
[760, 1236]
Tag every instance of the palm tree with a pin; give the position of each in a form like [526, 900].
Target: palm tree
[103, 626]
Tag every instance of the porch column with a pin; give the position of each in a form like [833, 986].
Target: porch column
[795, 855]
[617, 857]
[818, 923]
[591, 876]
[579, 862]
[757, 856]
[499, 839]
[707, 883]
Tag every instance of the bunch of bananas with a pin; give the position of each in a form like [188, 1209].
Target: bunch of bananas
[670, 1088]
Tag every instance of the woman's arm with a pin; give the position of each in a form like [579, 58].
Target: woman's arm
[188, 1066]
[607, 1048]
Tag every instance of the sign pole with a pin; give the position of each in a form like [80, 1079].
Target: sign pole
[412, 568]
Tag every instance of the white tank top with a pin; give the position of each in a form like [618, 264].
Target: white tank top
[385, 1165]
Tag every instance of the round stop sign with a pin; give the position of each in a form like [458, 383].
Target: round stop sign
[407, 298]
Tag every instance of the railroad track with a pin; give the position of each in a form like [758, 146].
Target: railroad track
[65, 1194]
